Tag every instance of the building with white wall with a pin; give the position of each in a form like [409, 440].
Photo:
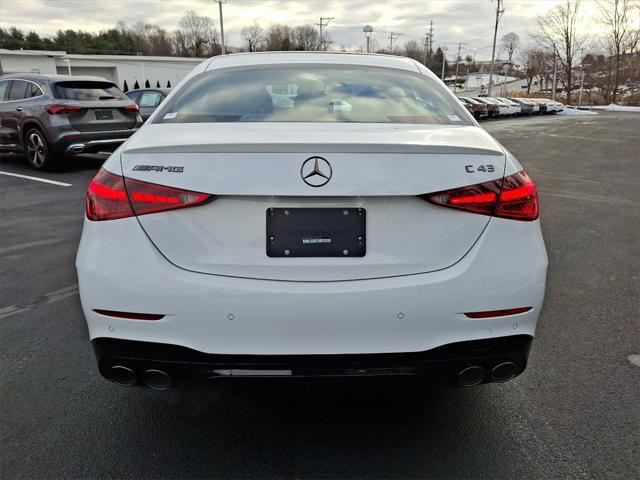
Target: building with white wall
[132, 69]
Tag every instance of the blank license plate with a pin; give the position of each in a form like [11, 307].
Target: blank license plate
[316, 232]
[104, 115]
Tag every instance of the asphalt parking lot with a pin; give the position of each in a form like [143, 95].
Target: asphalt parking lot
[573, 413]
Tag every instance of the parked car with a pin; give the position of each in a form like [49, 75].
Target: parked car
[148, 99]
[466, 105]
[492, 108]
[546, 105]
[514, 108]
[542, 105]
[504, 109]
[51, 116]
[480, 110]
[526, 107]
[231, 237]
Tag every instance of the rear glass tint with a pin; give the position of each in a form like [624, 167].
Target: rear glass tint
[83, 90]
[150, 99]
[314, 93]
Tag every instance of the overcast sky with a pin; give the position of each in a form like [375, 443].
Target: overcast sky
[469, 21]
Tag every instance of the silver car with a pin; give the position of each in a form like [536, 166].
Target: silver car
[49, 117]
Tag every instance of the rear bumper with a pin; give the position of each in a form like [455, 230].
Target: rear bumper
[506, 268]
[94, 146]
[74, 143]
[183, 366]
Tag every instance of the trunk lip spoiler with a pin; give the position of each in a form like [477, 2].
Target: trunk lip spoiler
[312, 148]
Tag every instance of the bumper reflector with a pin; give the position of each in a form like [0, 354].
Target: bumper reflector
[497, 313]
[130, 315]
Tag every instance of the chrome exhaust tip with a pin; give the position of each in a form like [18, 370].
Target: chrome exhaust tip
[75, 148]
[122, 376]
[471, 376]
[156, 379]
[503, 372]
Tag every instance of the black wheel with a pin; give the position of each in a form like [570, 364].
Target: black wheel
[37, 150]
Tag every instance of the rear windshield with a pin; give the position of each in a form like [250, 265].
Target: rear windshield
[83, 90]
[303, 93]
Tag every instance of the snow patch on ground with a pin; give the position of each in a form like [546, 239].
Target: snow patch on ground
[634, 360]
[612, 107]
[476, 79]
[575, 111]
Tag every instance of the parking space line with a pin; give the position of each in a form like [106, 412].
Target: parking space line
[50, 297]
[37, 179]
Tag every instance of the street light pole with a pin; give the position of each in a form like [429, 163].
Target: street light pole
[443, 49]
[555, 69]
[223, 49]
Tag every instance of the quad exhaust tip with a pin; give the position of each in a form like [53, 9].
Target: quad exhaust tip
[503, 372]
[471, 376]
[157, 379]
[122, 376]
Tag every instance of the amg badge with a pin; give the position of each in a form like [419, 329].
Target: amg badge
[158, 168]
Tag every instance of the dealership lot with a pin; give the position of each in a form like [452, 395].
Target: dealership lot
[572, 413]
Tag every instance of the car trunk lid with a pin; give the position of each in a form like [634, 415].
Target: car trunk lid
[380, 169]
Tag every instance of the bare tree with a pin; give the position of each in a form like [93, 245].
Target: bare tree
[615, 16]
[151, 39]
[510, 43]
[254, 35]
[279, 37]
[559, 31]
[197, 34]
[537, 63]
[306, 37]
[413, 49]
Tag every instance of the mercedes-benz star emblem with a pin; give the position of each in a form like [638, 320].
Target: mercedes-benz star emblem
[316, 171]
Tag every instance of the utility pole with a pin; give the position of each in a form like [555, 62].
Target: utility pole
[426, 48]
[224, 50]
[455, 85]
[499, 11]
[555, 70]
[392, 37]
[324, 21]
[443, 49]
[428, 44]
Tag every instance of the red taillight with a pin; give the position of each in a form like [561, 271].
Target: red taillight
[132, 108]
[57, 109]
[111, 196]
[513, 197]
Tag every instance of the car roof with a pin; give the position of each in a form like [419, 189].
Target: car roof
[270, 58]
[159, 89]
[52, 78]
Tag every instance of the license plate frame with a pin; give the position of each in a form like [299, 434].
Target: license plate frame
[316, 232]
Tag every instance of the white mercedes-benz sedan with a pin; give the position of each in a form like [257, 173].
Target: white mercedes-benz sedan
[311, 214]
